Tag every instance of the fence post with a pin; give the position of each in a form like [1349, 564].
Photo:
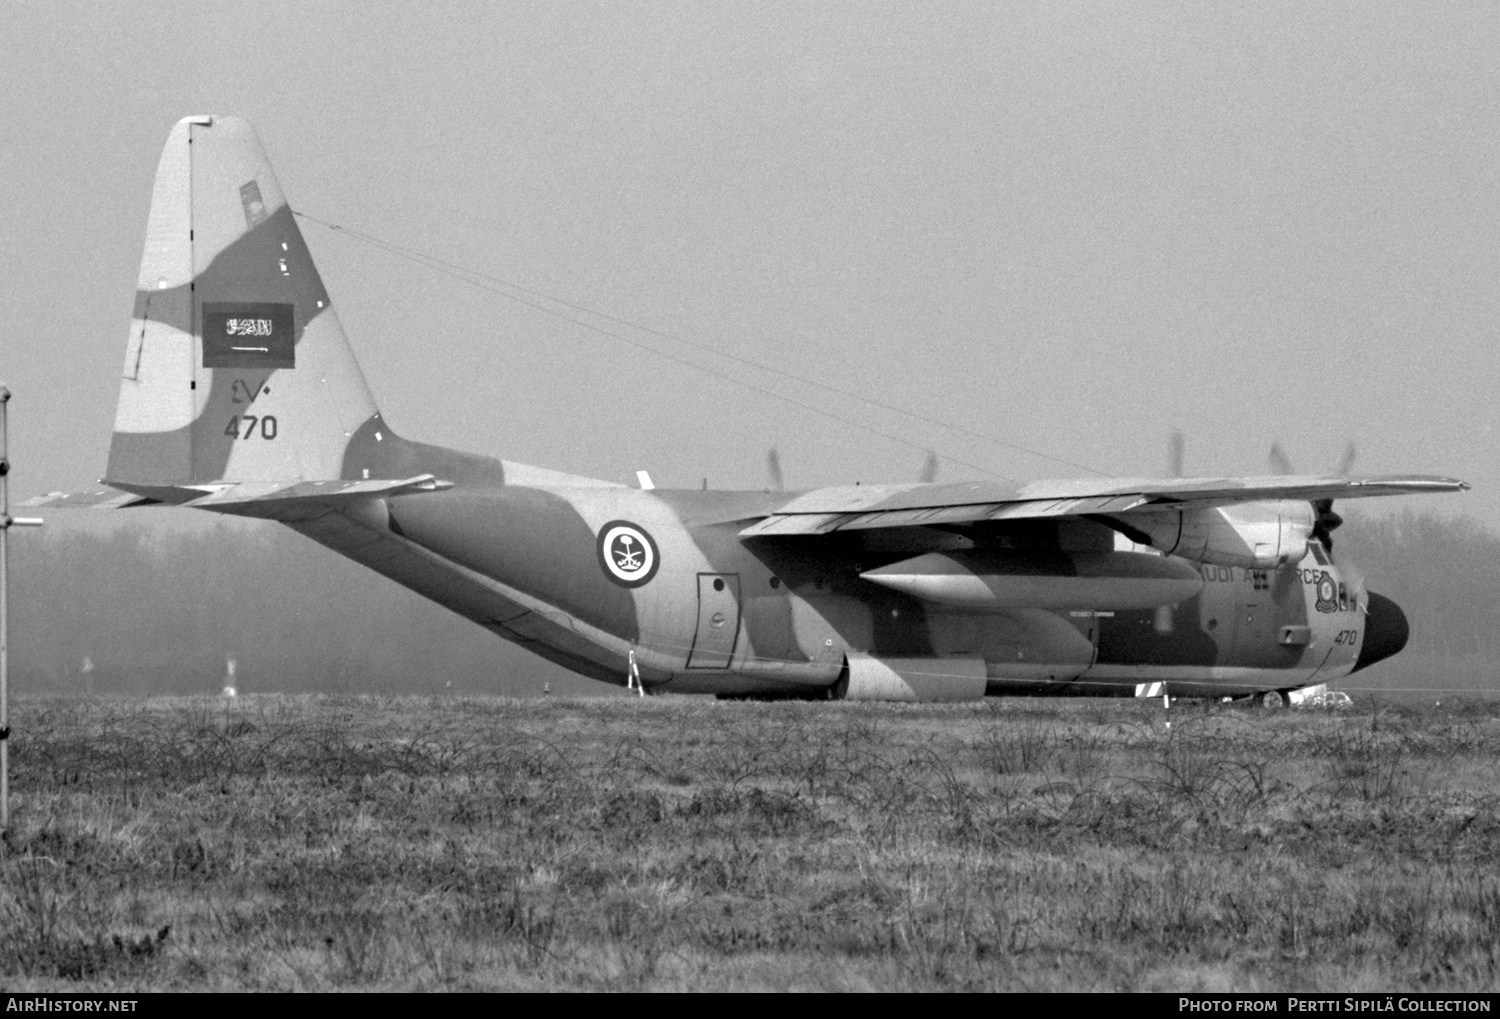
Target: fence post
[6, 523]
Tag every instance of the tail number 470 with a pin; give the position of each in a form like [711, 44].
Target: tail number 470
[248, 426]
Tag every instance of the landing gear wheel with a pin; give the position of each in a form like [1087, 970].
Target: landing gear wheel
[1272, 700]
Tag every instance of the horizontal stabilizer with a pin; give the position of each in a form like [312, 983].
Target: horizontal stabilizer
[100, 498]
[269, 499]
[281, 500]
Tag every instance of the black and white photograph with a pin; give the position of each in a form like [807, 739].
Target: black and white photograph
[655, 495]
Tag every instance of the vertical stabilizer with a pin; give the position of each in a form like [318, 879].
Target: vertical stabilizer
[236, 367]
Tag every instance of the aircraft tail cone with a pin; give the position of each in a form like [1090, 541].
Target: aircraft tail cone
[1386, 631]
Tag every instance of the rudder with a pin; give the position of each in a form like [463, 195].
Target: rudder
[236, 368]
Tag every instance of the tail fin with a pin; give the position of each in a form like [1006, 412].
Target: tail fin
[236, 367]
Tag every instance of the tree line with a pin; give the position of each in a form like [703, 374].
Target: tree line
[160, 606]
[1444, 572]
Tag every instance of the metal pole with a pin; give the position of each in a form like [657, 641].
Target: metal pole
[6, 523]
[4, 619]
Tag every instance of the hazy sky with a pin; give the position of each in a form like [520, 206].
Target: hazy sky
[1069, 228]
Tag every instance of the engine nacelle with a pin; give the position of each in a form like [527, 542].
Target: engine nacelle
[1252, 535]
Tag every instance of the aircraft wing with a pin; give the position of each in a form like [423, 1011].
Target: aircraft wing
[861, 507]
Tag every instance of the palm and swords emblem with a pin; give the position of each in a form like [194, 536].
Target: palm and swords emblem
[627, 556]
[627, 553]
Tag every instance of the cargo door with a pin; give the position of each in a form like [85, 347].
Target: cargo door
[1255, 629]
[718, 621]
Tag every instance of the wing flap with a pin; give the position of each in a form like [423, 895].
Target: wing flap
[795, 524]
[919, 517]
[785, 524]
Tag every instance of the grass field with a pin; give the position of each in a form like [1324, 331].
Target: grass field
[413, 843]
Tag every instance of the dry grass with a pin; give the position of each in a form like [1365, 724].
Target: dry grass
[326, 843]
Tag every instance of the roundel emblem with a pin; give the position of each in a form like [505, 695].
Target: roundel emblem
[1328, 593]
[627, 553]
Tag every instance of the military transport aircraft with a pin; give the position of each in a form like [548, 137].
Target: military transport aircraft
[240, 395]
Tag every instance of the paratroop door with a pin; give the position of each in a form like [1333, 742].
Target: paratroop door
[718, 621]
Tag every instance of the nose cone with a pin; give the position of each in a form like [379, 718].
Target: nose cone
[1386, 631]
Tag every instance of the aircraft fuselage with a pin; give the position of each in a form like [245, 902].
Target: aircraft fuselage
[618, 582]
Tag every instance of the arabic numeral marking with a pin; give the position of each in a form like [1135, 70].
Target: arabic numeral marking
[268, 427]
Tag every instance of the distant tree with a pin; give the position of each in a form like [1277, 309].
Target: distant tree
[1444, 572]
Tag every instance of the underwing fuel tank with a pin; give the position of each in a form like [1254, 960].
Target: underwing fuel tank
[981, 579]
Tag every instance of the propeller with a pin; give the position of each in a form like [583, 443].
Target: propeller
[1278, 461]
[1325, 520]
[773, 470]
[778, 482]
[929, 469]
[1346, 462]
[1163, 620]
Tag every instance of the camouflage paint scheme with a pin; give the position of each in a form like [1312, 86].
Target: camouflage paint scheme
[240, 395]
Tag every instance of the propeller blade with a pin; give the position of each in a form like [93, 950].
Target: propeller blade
[1355, 577]
[773, 470]
[1325, 522]
[1347, 463]
[929, 469]
[1278, 461]
[1176, 452]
